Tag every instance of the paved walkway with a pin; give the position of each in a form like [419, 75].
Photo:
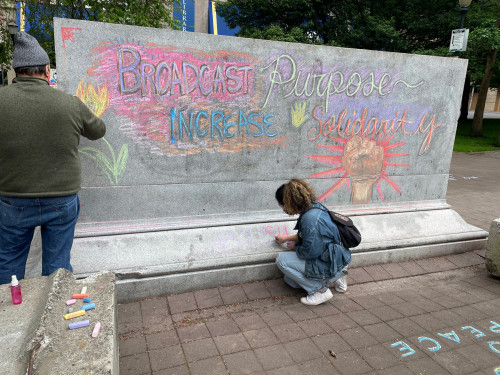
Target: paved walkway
[429, 316]
[474, 187]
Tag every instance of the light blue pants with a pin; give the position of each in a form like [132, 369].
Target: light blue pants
[294, 270]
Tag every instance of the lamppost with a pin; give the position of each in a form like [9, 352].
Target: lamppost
[12, 30]
[464, 7]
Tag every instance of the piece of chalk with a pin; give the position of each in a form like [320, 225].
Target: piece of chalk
[96, 330]
[71, 302]
[101, 287]
[70, 310]
[90, 306]
[80, 296]
[86, 300]
[81, 324]
[84, 290]
[74, 314]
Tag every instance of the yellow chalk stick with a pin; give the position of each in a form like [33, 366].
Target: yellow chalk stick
[74, 314]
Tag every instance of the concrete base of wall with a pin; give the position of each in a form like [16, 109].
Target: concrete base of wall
[175, 257]
[183, 258]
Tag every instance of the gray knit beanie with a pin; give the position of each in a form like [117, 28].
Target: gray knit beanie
[27, 51]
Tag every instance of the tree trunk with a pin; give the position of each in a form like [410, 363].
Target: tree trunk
[464, 108]
[477, 123]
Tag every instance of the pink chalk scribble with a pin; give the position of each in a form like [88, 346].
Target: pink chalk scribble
[68, 34]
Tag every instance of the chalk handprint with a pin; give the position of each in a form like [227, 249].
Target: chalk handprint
[299, 114]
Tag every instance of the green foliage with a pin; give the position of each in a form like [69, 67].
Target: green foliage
[5, 49]
[151, 13]
[275, 32]
[391, 25]
[464, 143]
[6, 45]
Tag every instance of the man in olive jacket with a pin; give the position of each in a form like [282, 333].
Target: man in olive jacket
[40, 172]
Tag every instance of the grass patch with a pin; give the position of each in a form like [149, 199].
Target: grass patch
[464, 143]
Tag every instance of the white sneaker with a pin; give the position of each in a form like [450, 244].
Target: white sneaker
[317, 298]
[341, 285]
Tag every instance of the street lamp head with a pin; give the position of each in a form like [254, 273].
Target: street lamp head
[464, 3]
[12, 28]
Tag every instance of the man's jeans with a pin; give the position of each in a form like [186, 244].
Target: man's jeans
[57, 218]
[294, 270]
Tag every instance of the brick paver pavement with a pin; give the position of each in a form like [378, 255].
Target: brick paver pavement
[444, 320]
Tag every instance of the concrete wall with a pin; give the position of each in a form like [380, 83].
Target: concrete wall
[202, 130]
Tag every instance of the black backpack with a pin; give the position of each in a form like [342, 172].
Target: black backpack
[349, 234]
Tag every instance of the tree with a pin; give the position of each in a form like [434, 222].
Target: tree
[151, 13]
[486, 40]
[6, 44]
[391, 25]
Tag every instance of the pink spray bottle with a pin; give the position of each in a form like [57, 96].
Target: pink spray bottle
[15, 290]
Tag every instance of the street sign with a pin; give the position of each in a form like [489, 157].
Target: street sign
[459, 39]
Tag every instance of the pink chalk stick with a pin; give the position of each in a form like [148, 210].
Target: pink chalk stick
[96, 330]
[71, 302]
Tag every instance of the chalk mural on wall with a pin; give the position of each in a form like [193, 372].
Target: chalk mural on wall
[359, 137]
[183, 101]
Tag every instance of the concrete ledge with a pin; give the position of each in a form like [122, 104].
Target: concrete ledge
[130, 289]
[493, 249]
[35, 334]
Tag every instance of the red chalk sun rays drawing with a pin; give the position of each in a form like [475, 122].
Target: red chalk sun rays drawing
[363, 162]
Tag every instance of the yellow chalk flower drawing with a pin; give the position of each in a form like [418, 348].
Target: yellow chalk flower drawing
[98, 102]
[299, 114]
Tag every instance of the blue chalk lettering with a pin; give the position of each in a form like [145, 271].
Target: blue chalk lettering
[202, 113]
[256, 124]
[243, 123]
[492, 346]
[450, 336]
[216, 121]
[269, 123]
[182, 124]
[473, 330]
[495, 327]
[227, 126]
[172, 126]
[433, 349]
[404, 347]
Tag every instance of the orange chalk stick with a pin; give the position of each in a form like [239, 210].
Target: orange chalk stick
[80, 295]
[74, 314]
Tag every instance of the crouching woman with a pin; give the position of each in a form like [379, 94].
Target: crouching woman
[318, 258]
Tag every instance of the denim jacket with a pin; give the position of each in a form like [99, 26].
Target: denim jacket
[318, 244]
